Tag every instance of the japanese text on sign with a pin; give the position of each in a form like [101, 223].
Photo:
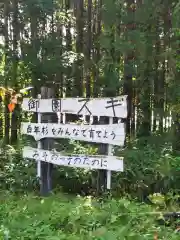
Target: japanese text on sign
[112, 107]
[93, 162]
[113, 133]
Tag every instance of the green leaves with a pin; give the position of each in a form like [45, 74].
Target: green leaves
[60, 217]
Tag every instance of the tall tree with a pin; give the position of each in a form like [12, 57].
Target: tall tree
[88, 49]
[15, 60]
[78, 78]
[7, 62]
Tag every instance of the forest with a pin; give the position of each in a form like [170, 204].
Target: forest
[92, 49]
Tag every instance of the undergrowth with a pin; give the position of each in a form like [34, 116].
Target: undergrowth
[149, 169]
[62, 217]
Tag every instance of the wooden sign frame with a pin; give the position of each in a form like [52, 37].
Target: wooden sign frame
[111, 107]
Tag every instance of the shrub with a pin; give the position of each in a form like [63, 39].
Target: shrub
[73, 218]
[147, 169]
[16, 174]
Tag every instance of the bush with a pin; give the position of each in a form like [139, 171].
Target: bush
[16, 174]
[148, 169]
[60, 217]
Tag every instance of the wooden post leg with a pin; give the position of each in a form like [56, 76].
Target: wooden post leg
[46, 144]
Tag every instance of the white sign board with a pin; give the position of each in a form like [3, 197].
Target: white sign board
[81, 161]
[111, 134]
[111, 107]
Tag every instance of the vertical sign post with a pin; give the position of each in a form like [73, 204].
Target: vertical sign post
[103, 149]
[109, 154]
[47, 144]
[39, 144]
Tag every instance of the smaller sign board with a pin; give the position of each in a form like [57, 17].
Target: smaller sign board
[111, 134]
[111, 163]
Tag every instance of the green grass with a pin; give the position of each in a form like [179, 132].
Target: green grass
[63, 217]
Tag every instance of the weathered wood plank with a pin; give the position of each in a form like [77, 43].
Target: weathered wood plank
[111, 107]
[111, 134]
[80, 161]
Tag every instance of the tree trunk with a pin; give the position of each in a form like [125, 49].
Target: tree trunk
[87, 50]
[78, 88]
[16, 113]
[128, 69]
[6, 82]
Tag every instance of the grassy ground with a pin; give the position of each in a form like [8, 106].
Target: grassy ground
[60, 217]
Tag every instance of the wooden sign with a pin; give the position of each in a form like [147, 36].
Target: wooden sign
[81, 161]
[112, 134]
[111, 107]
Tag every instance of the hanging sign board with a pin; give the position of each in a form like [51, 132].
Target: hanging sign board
[111, 107]
[112, 134]
[111, 163]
